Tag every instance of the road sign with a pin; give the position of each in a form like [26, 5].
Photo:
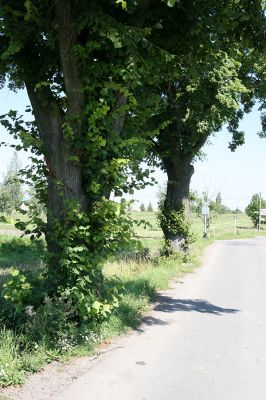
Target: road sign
[263, 212]
[205, 210]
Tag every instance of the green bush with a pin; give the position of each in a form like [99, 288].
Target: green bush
[24, 289]
[52, 325]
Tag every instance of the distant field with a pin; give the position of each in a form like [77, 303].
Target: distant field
[151, 235]
[21, 252]
[221, 227]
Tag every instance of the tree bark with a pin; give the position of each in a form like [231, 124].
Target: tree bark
[65, 183]
[65, 176]
[179, 172]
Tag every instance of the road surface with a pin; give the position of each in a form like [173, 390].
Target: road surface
[205, 340]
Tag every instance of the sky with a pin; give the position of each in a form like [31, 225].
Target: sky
[236, 175]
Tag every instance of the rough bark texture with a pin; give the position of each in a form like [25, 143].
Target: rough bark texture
[65, 180]
[67, 40]
[64, 175]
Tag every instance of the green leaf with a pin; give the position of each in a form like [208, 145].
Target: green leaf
[171, 3]
[123, 3]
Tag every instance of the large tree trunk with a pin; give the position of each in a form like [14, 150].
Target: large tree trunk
[65, 177]
[179, 172]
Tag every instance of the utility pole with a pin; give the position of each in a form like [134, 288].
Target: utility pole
[205, 213]
[259, 213]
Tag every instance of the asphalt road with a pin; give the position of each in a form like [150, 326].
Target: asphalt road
[205, 340]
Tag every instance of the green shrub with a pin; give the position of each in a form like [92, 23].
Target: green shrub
[24, 289]
[51, 325]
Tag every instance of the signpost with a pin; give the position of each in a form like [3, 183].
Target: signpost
[205, 211]
[262, 216]
[259, 214]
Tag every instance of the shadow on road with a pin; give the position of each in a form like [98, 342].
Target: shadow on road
[169, 304]
[153, 321]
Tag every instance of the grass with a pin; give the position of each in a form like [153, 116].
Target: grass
[17, 360]
[141, 277]
[141, 281]
[221, 227]
[10, 363]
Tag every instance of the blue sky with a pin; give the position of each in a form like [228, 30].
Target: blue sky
[236, 175]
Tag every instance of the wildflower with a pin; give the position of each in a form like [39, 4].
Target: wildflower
[30, 311]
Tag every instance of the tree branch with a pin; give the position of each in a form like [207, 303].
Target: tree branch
[200, 142]
[47, 114]
[67, 38]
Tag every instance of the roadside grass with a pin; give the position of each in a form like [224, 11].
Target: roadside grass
[17, 359]
[142, 277]
[10, 362]
[141, 282]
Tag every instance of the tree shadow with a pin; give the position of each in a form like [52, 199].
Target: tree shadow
[130, 314]
[170, 304]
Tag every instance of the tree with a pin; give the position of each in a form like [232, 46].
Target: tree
[253, 209]
[142, 207]
[195, 202]
[11, 193]
[82, 64]
[214, 77]
[218, 200]
[218, 207]
[34, 205]
[150, 208]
